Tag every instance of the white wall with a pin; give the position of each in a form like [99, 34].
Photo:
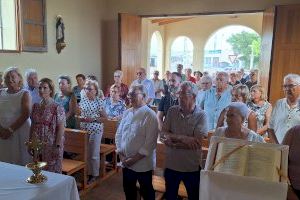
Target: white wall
[83, 53]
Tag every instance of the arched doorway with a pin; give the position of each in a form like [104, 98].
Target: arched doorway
[156, 53]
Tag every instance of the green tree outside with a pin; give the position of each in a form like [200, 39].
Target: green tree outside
[243, 44]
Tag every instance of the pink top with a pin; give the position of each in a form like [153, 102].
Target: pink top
[292, 138]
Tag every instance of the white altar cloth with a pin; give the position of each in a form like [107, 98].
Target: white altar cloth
[14, 187]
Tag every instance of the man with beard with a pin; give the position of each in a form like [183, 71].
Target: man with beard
[170, 99]
[286, 113]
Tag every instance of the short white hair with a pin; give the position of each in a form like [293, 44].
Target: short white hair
[193, 87]
[118, 72]
[206, 78]
[293, 77]
[30, 72]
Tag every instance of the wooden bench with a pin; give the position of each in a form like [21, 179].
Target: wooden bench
[107, 169]
[76, 142]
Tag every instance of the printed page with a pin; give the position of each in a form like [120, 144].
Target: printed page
[263, 163]
[235, 163]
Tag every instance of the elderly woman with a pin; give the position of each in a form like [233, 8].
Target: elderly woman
[91, 107]
[118, 75]
[48, 120]
[240, 93]
[15, 106]
[261, 107]
[67, 100]
[114, 106]
[205, 84]
[292, 138]
[236, 113]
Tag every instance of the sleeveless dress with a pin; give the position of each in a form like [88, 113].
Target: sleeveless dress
[44, 127]
[13, 150]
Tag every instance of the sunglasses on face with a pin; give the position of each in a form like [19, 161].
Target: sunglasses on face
[88, 89]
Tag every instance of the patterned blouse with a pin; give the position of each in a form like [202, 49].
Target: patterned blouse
[91, 109]
[260, 112]
[114, 109]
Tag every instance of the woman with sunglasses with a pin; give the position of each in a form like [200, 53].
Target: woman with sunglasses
[91, 114]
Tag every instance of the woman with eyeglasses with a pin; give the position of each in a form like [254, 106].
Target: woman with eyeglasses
[91, 114]
[48, 121]
[118, 75]
[66, 99]
[114, 106]
[262, 108]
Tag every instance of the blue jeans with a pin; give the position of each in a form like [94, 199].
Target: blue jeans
[191, 182]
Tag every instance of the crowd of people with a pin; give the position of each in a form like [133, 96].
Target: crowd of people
[230, 105]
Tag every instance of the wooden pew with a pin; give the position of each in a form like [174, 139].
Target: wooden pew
[76, 141]
[108, 169]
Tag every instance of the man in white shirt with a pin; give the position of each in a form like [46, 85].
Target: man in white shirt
[183, 130]
[136, 140]
[32, 85]
[286, 112]
[158, 87]
[148, 85]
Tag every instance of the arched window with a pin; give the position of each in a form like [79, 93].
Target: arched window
[156, 50]
[231, 48]
[181, 53]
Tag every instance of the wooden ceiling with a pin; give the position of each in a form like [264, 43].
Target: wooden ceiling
[164, 21]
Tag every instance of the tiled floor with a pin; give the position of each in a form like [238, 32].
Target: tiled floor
[110, 189]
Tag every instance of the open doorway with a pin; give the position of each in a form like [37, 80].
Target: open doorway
[206, 42]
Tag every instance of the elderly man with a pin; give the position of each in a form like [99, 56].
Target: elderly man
[216, 99]
[183, 130]
[205, 84]
[148, 84]
[253, 78]
[158, 87]
[32, 85]
[136, 140]
[286, 112]
[170, 99]
[179, 70]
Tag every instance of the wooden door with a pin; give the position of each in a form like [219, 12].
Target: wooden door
[286, 51]
[266, 47]
[130, 31]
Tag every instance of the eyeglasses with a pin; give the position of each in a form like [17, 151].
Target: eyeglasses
[117, 76]
[181, 94]
[88, 89]
[172, 80]
[132, 94]
[114, 91]
[205, 83]
[290, 86]
[139, 73]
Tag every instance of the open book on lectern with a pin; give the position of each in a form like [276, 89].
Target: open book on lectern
[263, 161]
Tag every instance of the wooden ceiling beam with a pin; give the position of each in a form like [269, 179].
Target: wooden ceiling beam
[173, 21]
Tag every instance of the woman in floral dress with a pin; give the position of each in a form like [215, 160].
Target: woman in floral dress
[48, 120]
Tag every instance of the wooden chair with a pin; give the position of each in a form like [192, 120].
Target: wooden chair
[108, 169]
[76, 141]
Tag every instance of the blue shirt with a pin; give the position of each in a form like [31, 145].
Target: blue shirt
[149, 86]
[114, 109]
[213, 106]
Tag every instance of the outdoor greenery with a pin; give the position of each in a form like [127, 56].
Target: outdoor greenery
[245, 45]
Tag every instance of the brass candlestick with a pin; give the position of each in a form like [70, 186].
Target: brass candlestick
[36, 146]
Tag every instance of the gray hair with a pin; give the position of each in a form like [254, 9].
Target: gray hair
[226, 76]
[241, 107]
[193, 87]
[139, 87]
[118, 72]
[30, 72]
[293, 77]
[206, 78]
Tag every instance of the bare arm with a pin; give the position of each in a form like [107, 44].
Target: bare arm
[252, 121]
[72, 107]
[160, 116]
[25, 112]
[60, 132]
[263, 129]
[272, 136]
[221, 119]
